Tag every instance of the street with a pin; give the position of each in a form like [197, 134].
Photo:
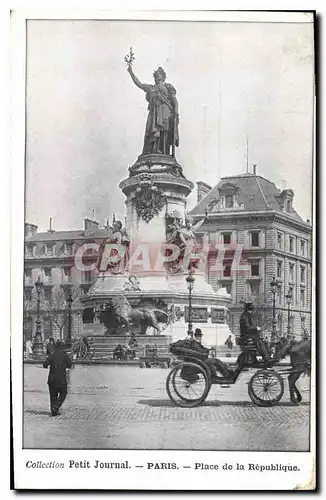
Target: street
[125, 407]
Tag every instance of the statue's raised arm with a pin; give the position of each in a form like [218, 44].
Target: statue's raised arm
[143, 86]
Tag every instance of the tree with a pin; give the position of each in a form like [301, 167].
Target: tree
[263, 311]
[57, 308]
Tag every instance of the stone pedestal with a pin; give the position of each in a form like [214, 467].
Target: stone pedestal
[156, 188]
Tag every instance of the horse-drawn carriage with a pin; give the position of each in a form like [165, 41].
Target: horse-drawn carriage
[80, 348]
[189, 382]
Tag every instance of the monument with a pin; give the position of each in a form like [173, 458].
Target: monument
[141, 288]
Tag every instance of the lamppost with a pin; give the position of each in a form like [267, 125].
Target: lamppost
[288, 297]
[190, 282]
[274, 286]
[38, 340]
[69, 303]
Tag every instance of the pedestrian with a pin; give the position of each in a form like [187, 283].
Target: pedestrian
[228, 342]
[58, 362]
[50, 347]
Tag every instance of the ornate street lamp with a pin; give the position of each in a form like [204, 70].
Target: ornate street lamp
[38, 339]
[288, 298]
[274, 287]
[69, 304]
[190, 283]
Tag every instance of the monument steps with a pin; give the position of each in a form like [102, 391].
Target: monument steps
[103, 347]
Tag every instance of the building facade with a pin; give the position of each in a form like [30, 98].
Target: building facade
[255, 234]
[52, 256]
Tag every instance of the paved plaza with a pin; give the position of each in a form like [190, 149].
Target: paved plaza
[126, 407]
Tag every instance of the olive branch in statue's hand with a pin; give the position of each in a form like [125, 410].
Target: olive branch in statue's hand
[129, 58]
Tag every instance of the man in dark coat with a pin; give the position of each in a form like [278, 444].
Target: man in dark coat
[58, 361]
[249, 330]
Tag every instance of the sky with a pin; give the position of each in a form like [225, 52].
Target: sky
[86, 119]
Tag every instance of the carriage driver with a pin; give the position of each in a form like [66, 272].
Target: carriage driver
[250, 330]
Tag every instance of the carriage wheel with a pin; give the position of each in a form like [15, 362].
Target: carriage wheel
[188, 384]
[83, 351]
[266, 388]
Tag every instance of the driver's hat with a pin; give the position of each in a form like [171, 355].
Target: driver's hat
[198, 332]
[249, 305]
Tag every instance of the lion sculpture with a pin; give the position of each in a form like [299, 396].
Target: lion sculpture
[126, 316]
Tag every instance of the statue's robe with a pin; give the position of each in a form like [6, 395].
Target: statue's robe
[161, 126]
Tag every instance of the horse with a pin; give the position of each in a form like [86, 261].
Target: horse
[144, 318]
[300, 356]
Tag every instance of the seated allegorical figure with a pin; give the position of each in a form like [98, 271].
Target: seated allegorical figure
[114, 260]
[183, 236]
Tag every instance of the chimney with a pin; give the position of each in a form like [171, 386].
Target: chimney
[90, 225]
[30, 230]
[50, 230]
[202, 190]
[254, 168]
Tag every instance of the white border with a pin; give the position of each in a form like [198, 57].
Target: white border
[142, 479]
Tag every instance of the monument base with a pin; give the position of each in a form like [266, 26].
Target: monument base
[102, 347]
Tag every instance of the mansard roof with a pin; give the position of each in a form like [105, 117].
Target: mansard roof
[254, 192]
[67, 236]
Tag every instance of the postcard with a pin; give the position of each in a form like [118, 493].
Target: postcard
[163, 265]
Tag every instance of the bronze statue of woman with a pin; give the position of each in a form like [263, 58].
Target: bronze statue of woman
[161, 133]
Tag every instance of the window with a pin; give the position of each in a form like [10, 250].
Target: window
[227, 270]
[279, 296]
[302, 274]
[292, 331]
[254, 289]
[49, 249]
[279, 323]
[68, 249]
[279, 269]
[47, 328]
[302, 297]
[229, 201]
[291, 272]
[279, 241]
[291, 244]
[254, 268]
[48, 294]
[47, 272]
[288, 205]
[226, 238]
[255, 239]
[29, 250]
[302, 247]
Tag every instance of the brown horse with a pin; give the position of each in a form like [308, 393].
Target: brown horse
[300, 356]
